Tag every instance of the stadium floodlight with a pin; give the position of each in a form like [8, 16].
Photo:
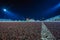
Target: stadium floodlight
[4, 10]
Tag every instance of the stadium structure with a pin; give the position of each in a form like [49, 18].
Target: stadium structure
[30, 29]
[29, 19]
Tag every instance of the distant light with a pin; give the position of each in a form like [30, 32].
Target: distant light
[4, 10]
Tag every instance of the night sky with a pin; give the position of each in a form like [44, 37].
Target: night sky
[34, 9]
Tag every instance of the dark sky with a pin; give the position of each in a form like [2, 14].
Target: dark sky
[29, 8]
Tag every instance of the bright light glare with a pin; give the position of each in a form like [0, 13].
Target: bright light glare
[4, 10]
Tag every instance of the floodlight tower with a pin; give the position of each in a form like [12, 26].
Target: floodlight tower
[4, 10]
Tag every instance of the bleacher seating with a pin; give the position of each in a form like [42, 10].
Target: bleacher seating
[27, 30]
[20, 31]
[54, 28]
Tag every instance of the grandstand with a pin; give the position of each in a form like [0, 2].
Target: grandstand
[29, 30]
[54, 28]
[29, 19]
